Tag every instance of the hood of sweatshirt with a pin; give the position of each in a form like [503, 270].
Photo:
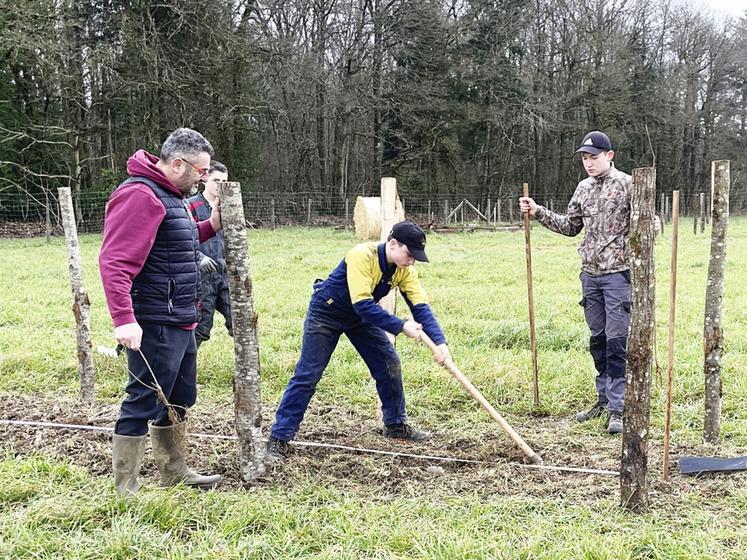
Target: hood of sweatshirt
[143, 164]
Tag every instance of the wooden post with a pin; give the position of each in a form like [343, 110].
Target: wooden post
[634, 464]
[272, 213]
[430, 214]
[488, 212]
[666, 208]
[388, 219]
[81, 302]
[498, 210]
[670, 340]
[47, 221]
[308, 210]
[530, 294]
[446, 213]
[347, 212]
[702, 212]
[695, 215]
[661, 209]
[712, 333]
[246, 382]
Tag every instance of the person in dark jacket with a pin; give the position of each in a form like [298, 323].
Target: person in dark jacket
[346, 303]
[211, 259]
[148, 265]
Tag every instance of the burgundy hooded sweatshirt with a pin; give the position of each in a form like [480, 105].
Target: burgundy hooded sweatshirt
[133, 216]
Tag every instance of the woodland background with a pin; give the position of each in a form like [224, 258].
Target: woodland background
[327, 96]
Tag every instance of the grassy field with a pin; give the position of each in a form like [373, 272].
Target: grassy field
[57, 498]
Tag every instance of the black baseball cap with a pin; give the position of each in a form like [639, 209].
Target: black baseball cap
[412, 235]
[595, 142]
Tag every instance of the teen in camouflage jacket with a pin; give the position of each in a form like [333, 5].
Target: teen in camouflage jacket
[600, 206]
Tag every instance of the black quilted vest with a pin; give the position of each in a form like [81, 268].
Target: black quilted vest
[168, 286]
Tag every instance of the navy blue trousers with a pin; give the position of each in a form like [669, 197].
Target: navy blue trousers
[606, 305]
[172, 355]
[322, 331]
[213, 297]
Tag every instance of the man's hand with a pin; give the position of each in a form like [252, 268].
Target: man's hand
[412, 329]
[129, 335]
[207, 265]
[445, 355]
[215, 220]
[527, 204]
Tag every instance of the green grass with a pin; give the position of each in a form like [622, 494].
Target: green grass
[50, 508]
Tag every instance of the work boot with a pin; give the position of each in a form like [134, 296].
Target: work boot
[276, 450]
[405, 431]
[127, 458]
[168, 451]
[596, 411]
[615, 423]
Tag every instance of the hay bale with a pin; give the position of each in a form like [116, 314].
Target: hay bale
[367, 217]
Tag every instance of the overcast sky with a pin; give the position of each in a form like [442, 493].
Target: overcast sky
[734, 8]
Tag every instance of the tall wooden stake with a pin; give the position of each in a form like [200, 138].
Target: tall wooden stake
[670, 341]
[634, 464]
[81, 302]
[530, 294]
[712, 333]
[246, 382]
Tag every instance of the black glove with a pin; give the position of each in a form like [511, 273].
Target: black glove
[207, 265]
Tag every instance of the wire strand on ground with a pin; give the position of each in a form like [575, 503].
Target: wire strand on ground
[439, 458]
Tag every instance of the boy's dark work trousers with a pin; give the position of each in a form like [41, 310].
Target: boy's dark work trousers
[172, 355]
[322, 330]
[607, 309]
[213, 296]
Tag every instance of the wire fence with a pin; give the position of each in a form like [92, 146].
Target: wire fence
[25, 215]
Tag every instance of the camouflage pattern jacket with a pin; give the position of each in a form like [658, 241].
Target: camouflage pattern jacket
[601, 206]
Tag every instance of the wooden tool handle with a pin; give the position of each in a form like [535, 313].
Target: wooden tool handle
[475, 394]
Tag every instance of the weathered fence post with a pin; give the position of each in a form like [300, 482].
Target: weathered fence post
[81, 302]
[246, 382]
[388, 219]
[489, 212]
[273, 223]
[347, 212]
[712, 333]
[702, 212]
[695, 215]
[446, 213]
[661, 209]
[634, 464]
[47, 221]
[308, 210]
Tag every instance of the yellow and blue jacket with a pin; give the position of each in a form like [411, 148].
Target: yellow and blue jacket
[362, 278]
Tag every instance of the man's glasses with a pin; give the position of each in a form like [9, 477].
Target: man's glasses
[203, 172]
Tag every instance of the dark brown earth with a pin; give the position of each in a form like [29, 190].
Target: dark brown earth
[558, 441]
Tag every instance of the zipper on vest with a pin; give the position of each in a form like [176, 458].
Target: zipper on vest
[172, 289]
